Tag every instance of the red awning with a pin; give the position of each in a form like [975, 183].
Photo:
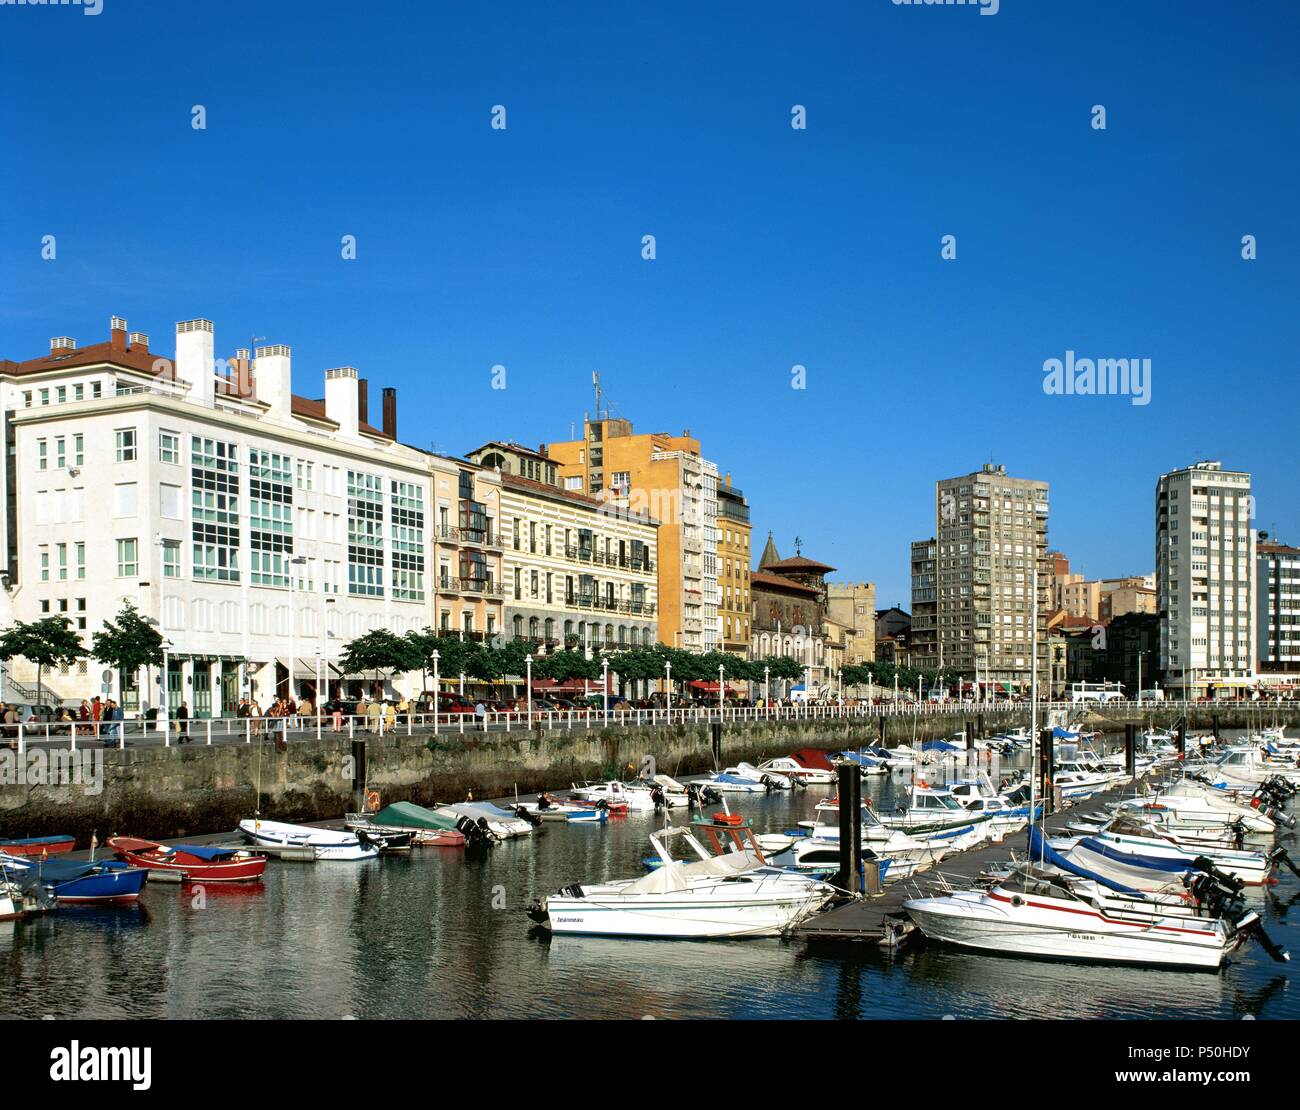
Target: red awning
[570, 686]
[707, 687]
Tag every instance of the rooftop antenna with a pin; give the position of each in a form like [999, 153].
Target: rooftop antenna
[595, 381]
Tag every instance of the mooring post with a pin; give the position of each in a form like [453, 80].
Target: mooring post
[1046, 762]
[1130, 750]
[882, 729]
[716, 729]
[1182, 737]
[358, 776]
[1214, 726]
[850, 795]
[979, 725]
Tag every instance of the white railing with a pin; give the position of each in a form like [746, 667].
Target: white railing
[206, 731]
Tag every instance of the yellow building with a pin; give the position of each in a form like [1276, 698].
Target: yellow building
[733, 568]
[664, 477]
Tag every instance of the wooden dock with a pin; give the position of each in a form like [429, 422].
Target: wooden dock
[881, 919]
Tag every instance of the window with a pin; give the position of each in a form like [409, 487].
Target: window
[42, 454]
[45, 396]
[60, 452]
[125, 438]
[365, 534]
[27, 398]
[45, 564]
[96, 389]
[125, 499]
[169, 501]
[81, 568]
[63, 562]
[214, 509]
[171, 560]
[306, 477]
[61, 394]
[573, 484]
[78, 392]
[79, 450]
[128, 558]
[169, 447]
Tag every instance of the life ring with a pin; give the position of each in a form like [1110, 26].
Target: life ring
[372, 801]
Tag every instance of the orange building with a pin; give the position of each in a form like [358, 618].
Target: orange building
[664, 477]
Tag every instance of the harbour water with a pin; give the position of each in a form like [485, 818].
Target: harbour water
[444, 934]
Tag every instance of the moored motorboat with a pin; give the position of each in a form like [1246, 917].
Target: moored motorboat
[75, 882]
[720, 894]
[195, 863]
[427, 827]
[326, 844]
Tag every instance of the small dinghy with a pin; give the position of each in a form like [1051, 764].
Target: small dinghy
[326, 844]
[37, 845]
[76, 882]
[194, 863]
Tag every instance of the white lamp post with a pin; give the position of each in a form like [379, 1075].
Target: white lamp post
[767, 700]
[722, 704]
[528, 684]
[294, 563]
[668, 685]
[436, 690]
[604, 682]
[164, 700]
[462, 684]
[871, 690]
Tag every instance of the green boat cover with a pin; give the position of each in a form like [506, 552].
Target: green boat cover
[408, 815]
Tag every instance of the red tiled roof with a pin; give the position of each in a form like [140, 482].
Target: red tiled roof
[797, 563]
[760, 579]
[142, 360]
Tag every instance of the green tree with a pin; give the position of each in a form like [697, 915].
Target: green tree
[46, 642]
[380, 650]
[128, 643]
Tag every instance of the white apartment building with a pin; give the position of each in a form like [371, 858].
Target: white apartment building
[576, 568]
[697, 484]
[1205, 573]
[1277, 585]
[261, 530]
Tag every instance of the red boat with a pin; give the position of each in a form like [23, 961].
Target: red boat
[38, 845]
[197, 863]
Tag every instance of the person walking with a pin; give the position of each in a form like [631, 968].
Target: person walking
[183, 723]
[374, 716]
[96, 713]
[480, 712]
[338, 716]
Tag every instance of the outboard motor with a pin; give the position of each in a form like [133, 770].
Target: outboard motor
[476, 834]
[770, 783]
[1280, 855]
[523, 814]
[657, 796]
[538, 913]
[1273, 813]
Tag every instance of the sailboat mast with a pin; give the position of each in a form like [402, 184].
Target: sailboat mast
[1033, 696]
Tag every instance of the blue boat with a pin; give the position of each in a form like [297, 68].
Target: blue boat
[83, 881]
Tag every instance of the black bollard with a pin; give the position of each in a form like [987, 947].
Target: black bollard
[882, 730]
[716, 729]
[358, 776]
[1046, 763]
[1182, 737]
[970, 737]
[1130, 750]
[979, 725]
[850, 795]
[1214, 726]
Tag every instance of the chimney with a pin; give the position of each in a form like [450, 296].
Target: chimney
[62, 343]
[274, 382]
[390, 412]
[117, 334]
[341, 390]
[243, 383]
[363, 401]
[140, 340]
[194, 366]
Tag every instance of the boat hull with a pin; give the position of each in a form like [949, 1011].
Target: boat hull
[676, 917]
[1029, 933]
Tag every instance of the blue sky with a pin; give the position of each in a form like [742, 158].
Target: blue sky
[775, 247]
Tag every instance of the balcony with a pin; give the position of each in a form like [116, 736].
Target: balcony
[476, 587]
[468, 537]
[610, 605]
[591, 557]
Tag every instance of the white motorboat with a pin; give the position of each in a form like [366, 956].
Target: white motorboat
[636, 798]
[787, 766]
[1247, 767]
[1149, 842]
[1032, 916]
[909, 853]
[749, 771]
[812, 855]
[499, 822]
[732, 781]
[727, 893]
[1189, 812]
[326, 844]
[935, 815]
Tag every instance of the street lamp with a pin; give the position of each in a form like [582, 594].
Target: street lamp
[296, 561]
[163, 698]
[871, 690]
[722, 704]
[528, 683]
[767, 701]
[321, 652]
[604, 682]
[668, 685]
[436, 690]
